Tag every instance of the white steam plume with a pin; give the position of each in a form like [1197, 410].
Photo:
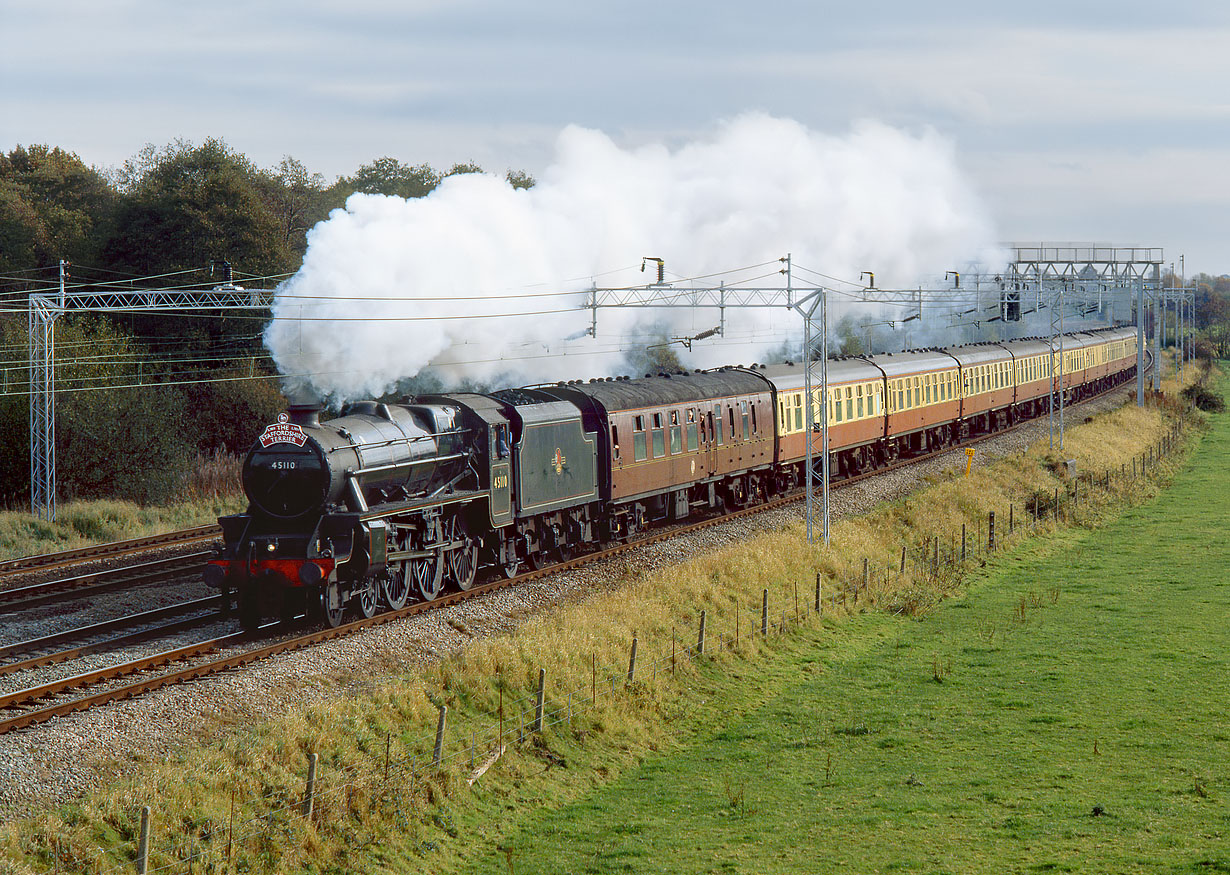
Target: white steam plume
[369, 305]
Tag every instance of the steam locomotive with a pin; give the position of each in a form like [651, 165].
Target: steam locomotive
[390, 502]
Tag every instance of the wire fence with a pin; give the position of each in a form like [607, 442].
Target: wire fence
[397, 779]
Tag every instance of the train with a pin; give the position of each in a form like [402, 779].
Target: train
[390, 502]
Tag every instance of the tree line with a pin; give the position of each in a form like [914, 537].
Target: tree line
[181, 207]
[174, 213]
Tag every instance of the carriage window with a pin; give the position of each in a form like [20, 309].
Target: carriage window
[676, 439]
[716, 422]
[692, 439]
[639, 452]
[615, 442]
[755, 430]
[927, 397]
[659, 437]
[858, 393]
[849, 403]
[917, 392]
[798, 412]
[835, 407]
[746, 424]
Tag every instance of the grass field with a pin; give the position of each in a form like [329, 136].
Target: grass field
[1070, 713]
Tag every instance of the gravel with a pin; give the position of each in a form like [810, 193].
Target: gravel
[61, 759]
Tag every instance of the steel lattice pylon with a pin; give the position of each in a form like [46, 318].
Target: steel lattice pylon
[42, 407]
[44, 310]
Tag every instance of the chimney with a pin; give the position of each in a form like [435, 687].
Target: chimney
[307, 415]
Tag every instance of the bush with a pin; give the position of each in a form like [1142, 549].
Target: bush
[1204, 398]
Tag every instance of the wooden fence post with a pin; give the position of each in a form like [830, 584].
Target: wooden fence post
[991, 530]
[143, 843]
[700, 635]
[538, 702]
[438, 754]
[632, 662]
[819, 602]
[309, 792]
[764, 612]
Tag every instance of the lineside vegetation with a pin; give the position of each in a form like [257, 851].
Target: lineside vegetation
[229, 799]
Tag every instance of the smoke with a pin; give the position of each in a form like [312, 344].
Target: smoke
[384, 279]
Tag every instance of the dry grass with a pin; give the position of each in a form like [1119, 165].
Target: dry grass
[82, 523]
[216, 476]
[264, 764]
[213, 490]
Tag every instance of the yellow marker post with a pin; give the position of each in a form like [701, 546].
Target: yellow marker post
[969, 459]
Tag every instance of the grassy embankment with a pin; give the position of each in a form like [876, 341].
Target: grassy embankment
[212, 490]
[1070, 713]
[417, 818]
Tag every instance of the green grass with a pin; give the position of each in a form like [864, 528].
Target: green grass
[1070, 713]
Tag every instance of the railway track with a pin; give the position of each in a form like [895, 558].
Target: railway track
[115, 549]
[147, 673]
[51, 649]
[84, 585]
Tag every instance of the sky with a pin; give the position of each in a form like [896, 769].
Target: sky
[1074, 121]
